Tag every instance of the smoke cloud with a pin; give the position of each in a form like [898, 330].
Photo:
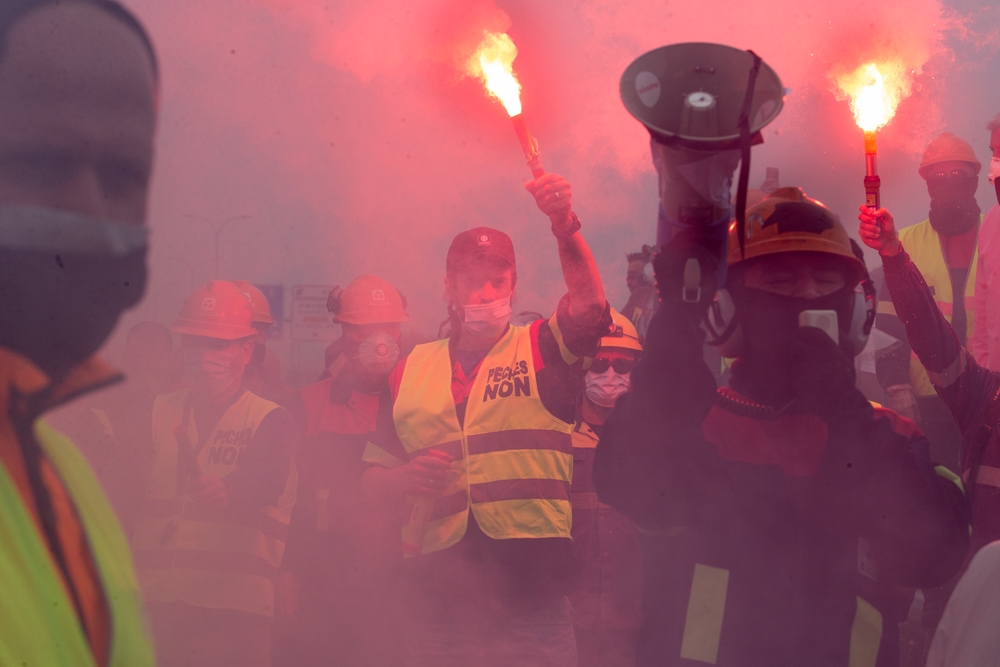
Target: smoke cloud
[348, 133]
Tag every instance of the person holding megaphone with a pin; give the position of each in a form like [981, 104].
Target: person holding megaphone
[779, 513]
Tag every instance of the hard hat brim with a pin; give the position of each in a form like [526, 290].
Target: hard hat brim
[386, 317]
[791, 242]
[623, 343]
[221, 332]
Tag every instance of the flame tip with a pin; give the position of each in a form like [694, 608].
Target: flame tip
[493, 63]
[875, 90]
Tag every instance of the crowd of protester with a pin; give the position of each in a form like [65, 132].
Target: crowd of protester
[578, 487]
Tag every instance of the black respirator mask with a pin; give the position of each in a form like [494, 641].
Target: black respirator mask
[767, 324]
[954, 209]
[64, 281]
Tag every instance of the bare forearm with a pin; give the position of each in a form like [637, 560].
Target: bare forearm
[583, 280]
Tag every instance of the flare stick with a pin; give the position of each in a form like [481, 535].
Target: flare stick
[529, 145]
[872, 181]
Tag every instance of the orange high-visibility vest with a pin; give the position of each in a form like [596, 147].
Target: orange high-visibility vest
[184, 552]
[924, 247]
[514, 459]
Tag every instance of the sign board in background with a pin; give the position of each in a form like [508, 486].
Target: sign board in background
[275, 295]
[310, 319]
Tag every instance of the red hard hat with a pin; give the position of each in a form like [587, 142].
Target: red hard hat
[259, 305]
[368, 300]
[216, 310]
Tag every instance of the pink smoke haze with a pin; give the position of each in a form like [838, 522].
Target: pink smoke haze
[348, 132]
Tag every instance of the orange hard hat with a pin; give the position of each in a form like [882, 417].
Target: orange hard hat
[259, 305]
[948, 148]
[623, 334]
[216, 310]
[367, 300]
[789, 221]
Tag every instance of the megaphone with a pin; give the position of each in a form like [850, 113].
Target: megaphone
[691, 95]
[704, 106]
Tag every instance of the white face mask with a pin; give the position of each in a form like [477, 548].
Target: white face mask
[214, 371]
[604, 389]
[994, 169]
[488, 317]
[378, 353]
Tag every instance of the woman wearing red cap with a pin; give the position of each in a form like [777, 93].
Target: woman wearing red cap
[476, 435]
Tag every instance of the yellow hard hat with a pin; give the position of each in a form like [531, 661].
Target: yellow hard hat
[948, 148]
[259, 305]
[788, 221]
[216, 310]
[624, 333]
[367, 300]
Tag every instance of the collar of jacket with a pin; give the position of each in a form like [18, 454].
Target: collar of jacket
[28, 392]
[583, 428]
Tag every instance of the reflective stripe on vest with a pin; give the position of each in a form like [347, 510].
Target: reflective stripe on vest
[924, 247]
[705, 612]
[208, 558]
[866, 635]
[514, 459]
[40, 624]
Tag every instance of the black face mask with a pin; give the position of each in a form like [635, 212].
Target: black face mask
[954, 209]
[767, 322]
[64, 281]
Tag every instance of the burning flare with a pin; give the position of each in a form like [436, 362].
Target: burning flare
[493, 62]
[875, 93]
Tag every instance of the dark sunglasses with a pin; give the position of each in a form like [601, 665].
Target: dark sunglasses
[957, 176]
[620, 364]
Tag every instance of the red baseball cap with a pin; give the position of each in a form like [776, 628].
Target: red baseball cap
[480, 242]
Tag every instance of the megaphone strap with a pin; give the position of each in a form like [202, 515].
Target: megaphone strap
[744, 125]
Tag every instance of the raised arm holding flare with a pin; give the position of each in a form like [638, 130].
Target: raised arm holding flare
[970, 391]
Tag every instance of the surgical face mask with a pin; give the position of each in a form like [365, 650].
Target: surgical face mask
[214, 371]
[994, 170]
[488, 317]
[603, 389]
[378, 353]
[64, 281]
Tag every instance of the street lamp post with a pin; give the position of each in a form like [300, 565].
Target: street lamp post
[217, 231]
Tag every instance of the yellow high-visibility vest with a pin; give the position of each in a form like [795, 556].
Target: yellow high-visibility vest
[40, 624]
[221, 559]
[513, 459]
[924, 247]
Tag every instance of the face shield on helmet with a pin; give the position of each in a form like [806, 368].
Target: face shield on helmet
[787, 223]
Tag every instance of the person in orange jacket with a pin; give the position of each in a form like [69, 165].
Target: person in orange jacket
[78, 113]
[336, 581]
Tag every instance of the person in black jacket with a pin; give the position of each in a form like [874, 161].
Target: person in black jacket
[779, 513]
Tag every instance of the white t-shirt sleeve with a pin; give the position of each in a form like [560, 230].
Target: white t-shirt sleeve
[969, 632]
